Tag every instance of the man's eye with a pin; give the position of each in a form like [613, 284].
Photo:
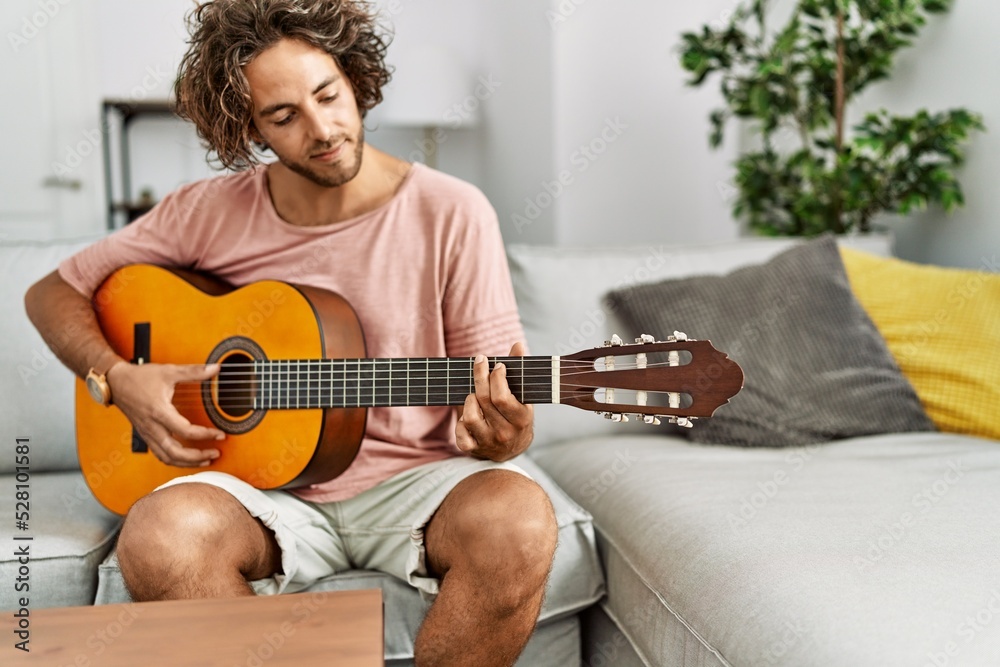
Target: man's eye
[330, 99]
[284, 121]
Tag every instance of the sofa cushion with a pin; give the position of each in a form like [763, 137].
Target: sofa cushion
[40, 387]
[943, 327]
[71, 535]
[575, 582]
[815, 366]
[560, 296]
[811, 556]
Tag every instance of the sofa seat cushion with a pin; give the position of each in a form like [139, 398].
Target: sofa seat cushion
[812, 556]
[575, 582]
[71, 535]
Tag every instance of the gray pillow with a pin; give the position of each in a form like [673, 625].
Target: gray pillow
[816, 368]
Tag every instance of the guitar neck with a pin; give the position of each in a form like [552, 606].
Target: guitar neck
[383, 383]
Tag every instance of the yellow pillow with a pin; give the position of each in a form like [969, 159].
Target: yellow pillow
[943, 327]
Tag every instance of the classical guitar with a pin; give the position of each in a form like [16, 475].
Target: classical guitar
[295, 382]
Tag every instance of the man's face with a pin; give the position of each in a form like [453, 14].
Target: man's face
[305, 110]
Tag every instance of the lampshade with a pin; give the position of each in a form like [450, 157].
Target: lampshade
[429, 81]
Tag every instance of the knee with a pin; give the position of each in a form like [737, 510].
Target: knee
[170, 524]
[508, 527]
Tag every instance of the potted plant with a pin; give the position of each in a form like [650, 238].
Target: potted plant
[794, 86]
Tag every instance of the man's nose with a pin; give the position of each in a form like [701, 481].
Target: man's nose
[318, 126]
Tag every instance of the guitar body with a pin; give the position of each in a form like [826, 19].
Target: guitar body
[175, 317]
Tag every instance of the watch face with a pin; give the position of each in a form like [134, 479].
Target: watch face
[94, 387]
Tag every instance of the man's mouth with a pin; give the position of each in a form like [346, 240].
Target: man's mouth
[331, 154]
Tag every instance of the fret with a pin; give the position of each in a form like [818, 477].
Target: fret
[399, 382]
[515, 375]
[366, 382]
[343, 393]
[417, 381]
[294, 383]
[314, 384]
[352, 383]
[460, 380]
[437, 382]
[381, 374]
[325, 384]
[281, 384]
[538, 376]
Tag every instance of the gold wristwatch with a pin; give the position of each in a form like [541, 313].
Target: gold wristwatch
[97, 385]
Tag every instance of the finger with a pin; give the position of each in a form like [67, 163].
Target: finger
[177, 424]
[195, 372]
[171, 452]
[518, 349]
[473, 423]
[483, 383]
[463, 439]
[504, 401]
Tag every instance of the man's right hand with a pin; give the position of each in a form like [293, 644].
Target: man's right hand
[144, 393]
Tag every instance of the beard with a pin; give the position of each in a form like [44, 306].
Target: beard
[333, 175]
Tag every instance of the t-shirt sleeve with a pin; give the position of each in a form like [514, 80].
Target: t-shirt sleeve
[480, 312]
[162, 237]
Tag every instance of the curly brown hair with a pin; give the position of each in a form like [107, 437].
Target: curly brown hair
[226, 35]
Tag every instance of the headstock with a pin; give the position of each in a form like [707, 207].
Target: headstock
[678, 379]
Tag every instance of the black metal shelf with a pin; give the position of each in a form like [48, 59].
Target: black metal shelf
[127, 111]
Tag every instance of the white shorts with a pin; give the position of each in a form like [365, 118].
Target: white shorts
[380, 529]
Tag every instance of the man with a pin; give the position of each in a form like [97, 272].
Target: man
[419, 256]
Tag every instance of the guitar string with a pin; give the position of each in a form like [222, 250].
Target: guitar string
[286, 386]
[288, 382]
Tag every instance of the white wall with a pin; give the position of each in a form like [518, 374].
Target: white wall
[620, 90]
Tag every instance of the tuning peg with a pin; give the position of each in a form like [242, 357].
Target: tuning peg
[651, 419]
[615, 341]
[678, 335]
[644, 339]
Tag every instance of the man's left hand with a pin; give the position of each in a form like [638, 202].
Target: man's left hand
[493, 424]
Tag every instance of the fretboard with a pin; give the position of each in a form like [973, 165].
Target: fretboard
[345, 383]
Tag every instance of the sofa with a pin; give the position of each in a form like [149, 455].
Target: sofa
[879, 549]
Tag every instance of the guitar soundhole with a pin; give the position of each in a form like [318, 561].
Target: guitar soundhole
[229, 397]
[236, 386]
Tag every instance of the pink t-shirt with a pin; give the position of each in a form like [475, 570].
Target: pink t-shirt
[426, 273]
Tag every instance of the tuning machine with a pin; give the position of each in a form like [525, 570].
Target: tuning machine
[615, 341]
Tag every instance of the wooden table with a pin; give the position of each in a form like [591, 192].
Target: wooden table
[342, 628]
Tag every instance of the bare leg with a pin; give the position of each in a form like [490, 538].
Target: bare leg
[193, 541]
[492, 542]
